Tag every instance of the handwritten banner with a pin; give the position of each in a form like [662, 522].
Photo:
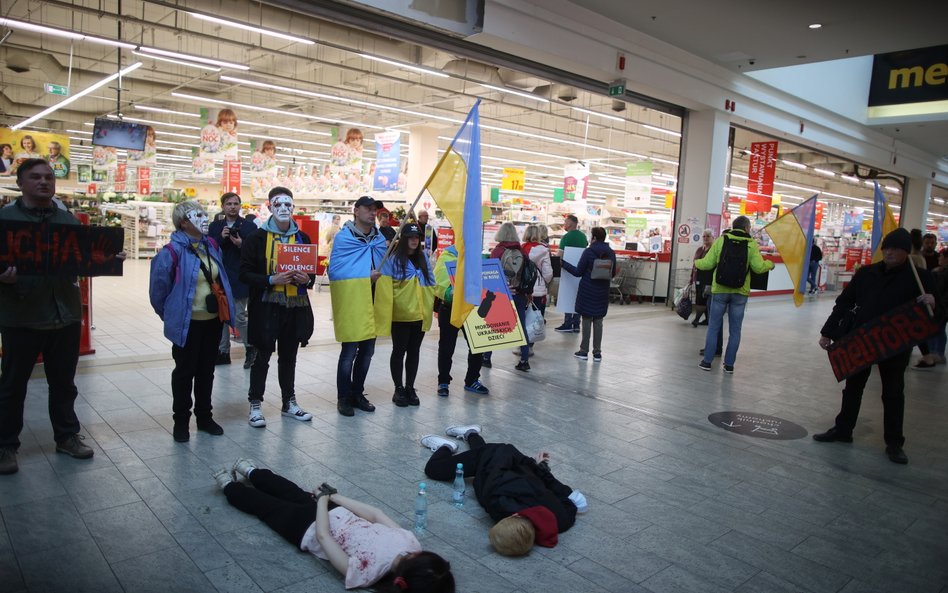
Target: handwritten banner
[292, 257]
[48, 249]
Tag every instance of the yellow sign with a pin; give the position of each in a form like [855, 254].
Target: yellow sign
[53, 148]
[513, 179]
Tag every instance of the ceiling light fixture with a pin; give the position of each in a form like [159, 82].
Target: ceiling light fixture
[178, 62]
[662, 130]
[826, 172]
[13, 24]
[77, 96]
[420, 69]
[327, 121]
[163, 110]
[513, 92]
[602, 115]
[793, 164]
[815, 26]
[244, 122]
[245, 27]
[189, 58]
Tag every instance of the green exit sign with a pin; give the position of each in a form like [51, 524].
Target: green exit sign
[56, 89]
[617, 88]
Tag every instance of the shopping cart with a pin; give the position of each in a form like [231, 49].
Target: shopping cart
[621, 288]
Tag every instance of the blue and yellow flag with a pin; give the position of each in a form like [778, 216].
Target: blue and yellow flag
[792, 234]
[455, 186]
[404, 294]
[883, 223]
[350, 263]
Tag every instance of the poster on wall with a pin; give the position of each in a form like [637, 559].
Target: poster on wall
[346, 155]
[104, 158]
[638, 184]
[852, 221]
[202, 166]
[17, 146]
[388, 161]
[761, 169]
[575, 180]
[263, 158]
[219, 134]
[147, 157]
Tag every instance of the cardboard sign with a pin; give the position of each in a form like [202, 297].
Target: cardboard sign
[880, 339]
[495, 323]
[47, 249]
[293, 257]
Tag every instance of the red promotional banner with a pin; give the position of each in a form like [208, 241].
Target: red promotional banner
[121, 174]
[91, 190]
[144, 180]
[853, 257]
[230, 180]
[819, 216]
[760, 176]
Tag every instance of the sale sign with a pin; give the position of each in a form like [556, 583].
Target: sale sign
[144, 180]
[513, 179]
[230, 180]
[760, 176]
[292, 257]
[853, 257]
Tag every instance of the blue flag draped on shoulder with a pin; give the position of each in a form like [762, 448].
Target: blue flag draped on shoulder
[792, 234]
[350, 264]
[883, 223]
[455, 186]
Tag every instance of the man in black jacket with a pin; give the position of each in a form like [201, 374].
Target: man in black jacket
[519, 492]
[875, 290]
[816, 255]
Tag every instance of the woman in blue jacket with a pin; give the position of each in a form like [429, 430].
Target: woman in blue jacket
[592, 300]
[190, 292]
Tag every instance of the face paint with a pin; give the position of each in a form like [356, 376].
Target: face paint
[282, 208]
[199, 219]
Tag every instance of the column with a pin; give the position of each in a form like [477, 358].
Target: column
[914, 211]
[422, 158]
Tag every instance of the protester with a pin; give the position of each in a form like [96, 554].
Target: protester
[190, 292]
[873, 291]
[404, 297]
[385, 224]
[360, 541]
[572, 238]
[429, 234]
[936, 344]
[816, 256]
[512, 259]
[536, 240]
[928, 252]
[229, 232]
[592, 298]
[702, 280]
[357, 252]
[280, 316]
[529, 504]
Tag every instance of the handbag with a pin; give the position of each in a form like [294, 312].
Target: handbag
[684, 305]
[601, 269]
[536, 325]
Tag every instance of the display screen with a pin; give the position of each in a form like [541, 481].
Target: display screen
[118, 134]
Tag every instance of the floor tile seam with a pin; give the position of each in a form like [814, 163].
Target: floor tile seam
[98, 546]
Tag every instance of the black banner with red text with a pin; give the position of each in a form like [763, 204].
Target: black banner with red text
[48, 249]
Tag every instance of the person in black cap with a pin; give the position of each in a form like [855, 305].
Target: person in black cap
[873, 291]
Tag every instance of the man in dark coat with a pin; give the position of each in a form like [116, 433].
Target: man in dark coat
[592, 298]
[519, 492]
[873, 291]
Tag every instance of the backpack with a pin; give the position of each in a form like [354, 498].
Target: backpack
[732, 263]
[521, 273]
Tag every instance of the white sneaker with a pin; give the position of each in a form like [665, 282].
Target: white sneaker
[293, 410]
[434, 442]
[243, 467]
[460, 431]
[256, 416]
[580, 501]
[223, 478]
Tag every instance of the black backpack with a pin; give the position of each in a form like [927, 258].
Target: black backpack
[528, 277]
[732, 263]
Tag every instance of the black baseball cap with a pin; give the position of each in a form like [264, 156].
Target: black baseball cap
[411, 230]
[366, 202]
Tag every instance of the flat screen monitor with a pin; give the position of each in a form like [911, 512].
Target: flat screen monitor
[631, 246]
[118, 134]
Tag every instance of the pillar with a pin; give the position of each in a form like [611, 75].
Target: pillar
[914, 211]
[422, 158]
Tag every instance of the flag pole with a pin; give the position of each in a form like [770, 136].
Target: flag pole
[920, 287]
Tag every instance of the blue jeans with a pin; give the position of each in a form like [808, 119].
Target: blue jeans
[733, 304]
[353, 367]
[811, 277]
[936, 343]
[572, 320]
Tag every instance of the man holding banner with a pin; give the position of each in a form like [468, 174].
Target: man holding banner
[873, 294]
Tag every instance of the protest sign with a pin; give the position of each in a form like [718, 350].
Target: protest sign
[46, 249]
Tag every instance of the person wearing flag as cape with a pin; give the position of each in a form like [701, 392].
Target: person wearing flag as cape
[279, 314]
[404, 297]
[357, 251]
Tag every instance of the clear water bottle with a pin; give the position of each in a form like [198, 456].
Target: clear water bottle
[458, 495]
[421, 509]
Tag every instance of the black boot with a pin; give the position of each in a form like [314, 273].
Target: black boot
[250, 356]
[401, 398]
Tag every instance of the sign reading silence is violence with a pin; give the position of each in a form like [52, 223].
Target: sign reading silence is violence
[60, 249]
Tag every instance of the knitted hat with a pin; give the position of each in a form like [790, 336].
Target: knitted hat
[898, 239]
[544, 522]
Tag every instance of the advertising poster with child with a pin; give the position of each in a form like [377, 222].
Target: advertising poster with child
[494, 324]
[388, 161]
[219, 134]
[16, 147]
[345, 158]
[147, 157]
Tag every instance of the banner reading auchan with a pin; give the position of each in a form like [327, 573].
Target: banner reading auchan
[20, 145]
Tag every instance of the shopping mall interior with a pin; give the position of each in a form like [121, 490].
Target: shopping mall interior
[658, 115]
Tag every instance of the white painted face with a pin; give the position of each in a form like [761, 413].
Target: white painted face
[199, 219]
[282, 208]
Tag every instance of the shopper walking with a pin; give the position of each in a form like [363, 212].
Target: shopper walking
[448, 338]
[280, 316]
[39, 314]
[702, 280]
[572, 238]
[357, 251]
[404, 296]
[873, 291]
[429, 234]
[229, 232]
[512, 260]
[816, 256]
[733, 256]
[536, 246]
[592, 299]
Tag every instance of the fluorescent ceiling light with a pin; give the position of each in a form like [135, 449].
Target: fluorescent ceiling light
[825, 172]
[815, 26]
[277, 111]
[246, 27]
[77, 96]
[150, 121]
[793, 164]
[662, 130]
[189, 58]
[178, 62]
[513, 92]
[163, 110]
[63, 33]
[244, 122]
[597, 114]
[420, 69]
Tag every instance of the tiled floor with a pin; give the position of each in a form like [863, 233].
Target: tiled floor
[676, 504]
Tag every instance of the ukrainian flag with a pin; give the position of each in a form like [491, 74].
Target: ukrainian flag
[792, 234]
[404, 295]
[350, 285]
[455, 186]
[883, 223]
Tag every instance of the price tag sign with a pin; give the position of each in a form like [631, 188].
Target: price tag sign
[296, 256]
[513, 179]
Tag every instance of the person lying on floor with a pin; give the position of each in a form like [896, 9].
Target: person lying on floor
[519, 492]
[359, 540]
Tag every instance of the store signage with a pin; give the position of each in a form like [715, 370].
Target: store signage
[61, 249]
[494, 324]
[853, 257]
[494, 195]
[575, 180]
[881, 338]
[616, 88]
[297, 257]
[819, 216]
[852, 221]
[559, 195]
[230, 180]
[760, 176]
[144, 180]
[758, 425]
[56, 89]
[909, 77]
[513, 179]
[388, 161]
[638, 184]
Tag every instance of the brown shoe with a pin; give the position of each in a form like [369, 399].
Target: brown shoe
[8, 461]
[74, 447]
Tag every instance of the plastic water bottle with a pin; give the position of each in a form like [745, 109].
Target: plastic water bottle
[458, 495]
[421, 509]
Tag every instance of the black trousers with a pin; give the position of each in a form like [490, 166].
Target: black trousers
[442, 464]
[288, 345]
[60, 350]
[892, 373]
[406, 348]
[194, 368]
[282, 505]
[446, 345]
